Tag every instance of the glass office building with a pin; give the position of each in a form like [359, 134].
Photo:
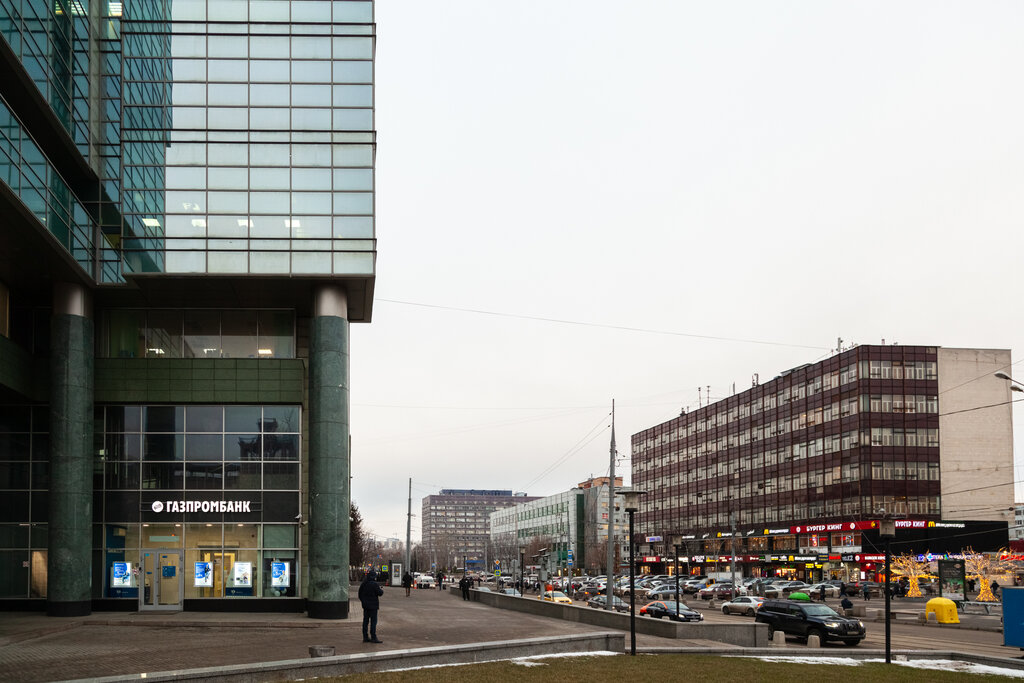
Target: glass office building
[187, 192]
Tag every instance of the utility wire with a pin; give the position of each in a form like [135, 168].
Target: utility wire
[600, 325]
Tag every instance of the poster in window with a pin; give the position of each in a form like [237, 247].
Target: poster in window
[121, 575]
[204, 575]
[279, 575]
[242, 572]
[953, 579]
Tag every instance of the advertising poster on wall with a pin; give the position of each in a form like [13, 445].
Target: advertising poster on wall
[279, 575]
[121, 575]
[242, 573]
[953, 579]
[204, 575]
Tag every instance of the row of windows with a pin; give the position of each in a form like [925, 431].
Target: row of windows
[200, 447]
[199, 476]
[200, 333]
[254, 178]
[878, 436]
[269, 228]
[847, 507]
[241, 202]
[299, 11]
[257, 47]
[198, 419]
[918, 370]
[263, 95]
[274, 152]
[259, 262]
[256, 118]
[248, 71]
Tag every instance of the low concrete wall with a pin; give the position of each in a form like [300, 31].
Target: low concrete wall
[388, 660]
[743, 634]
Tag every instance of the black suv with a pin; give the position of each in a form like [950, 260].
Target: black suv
[799, 618]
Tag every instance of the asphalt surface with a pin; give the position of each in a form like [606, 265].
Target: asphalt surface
[34, 647]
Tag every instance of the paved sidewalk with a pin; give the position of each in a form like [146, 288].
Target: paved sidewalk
[34, 647]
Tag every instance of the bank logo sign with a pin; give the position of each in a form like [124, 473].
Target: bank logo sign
[201, 506]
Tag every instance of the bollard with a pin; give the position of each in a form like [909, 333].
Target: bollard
[778, 639]
[321, 650]
[814, 640]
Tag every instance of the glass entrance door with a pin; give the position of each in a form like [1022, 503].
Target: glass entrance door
[163, 580]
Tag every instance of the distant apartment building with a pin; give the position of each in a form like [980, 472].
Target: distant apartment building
[791, 476]
[570, 526]
[456, 526]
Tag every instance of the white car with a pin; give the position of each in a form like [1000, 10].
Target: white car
[425, 581]
[814, 591]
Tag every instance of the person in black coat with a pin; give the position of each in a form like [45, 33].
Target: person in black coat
[369, 597]
[407, 583]
[464, 584]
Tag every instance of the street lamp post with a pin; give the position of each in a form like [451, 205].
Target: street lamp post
[887, 530]
[676, 545]
[631, 498]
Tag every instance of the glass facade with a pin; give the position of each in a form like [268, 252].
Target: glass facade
[233, 137]
[198, 333]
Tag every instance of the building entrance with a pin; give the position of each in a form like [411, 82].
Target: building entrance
[163, 580]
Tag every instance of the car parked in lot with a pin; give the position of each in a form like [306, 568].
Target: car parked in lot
[804, 619]
[510, 591]
[721, 590]
[743, 604]
[698, 585]
[664, 592]
[814, 591]
[664, 608]
[783, 588]
[601, 602]
[555, 596]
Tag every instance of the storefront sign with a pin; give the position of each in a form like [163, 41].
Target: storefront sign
[651, 559]
[204, 575]
[776, 532]
[201, 506]
[280, 577]
[837, 526]
[653, 539]
[242, 572]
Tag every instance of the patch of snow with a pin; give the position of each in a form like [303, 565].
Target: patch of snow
[930, 664]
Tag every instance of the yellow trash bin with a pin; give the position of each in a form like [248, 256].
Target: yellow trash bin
[944, 609]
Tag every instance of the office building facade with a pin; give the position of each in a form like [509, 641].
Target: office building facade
[572, 526]
[456, 525]
[187, 192]
[792, 475]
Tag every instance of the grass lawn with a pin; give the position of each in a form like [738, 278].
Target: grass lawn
[667, 668]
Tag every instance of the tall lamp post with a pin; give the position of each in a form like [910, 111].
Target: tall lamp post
[887, 531]
[631, 498]
[676, 546]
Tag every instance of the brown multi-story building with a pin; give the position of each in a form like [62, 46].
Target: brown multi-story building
[920, 432]
[456, 525]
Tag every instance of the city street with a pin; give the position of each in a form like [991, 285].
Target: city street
[34, 647]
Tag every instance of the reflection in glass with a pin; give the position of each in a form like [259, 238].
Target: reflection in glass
[202, 334]
[163, 334]
[164, 447]
[204, 418]
[241, 418]
[242, 475]
[164, 419]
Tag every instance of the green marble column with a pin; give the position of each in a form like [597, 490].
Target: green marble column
[328, 590]
[69, 556]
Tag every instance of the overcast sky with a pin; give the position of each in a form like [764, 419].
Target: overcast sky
[757, 179]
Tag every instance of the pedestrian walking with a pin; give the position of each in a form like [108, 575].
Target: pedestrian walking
[407, 583]
[867, 591]
[822, 591]
[440, 581]
[842, 589]
[369, 596]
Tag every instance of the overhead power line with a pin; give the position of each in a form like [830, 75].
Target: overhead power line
[623, 328]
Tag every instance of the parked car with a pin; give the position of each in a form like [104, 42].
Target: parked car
[698, 585]
[662, 608]
[830, 590]
[664, 592]
[555, 596]
[588, 591]
[721, 590]
[425, 581]
[784, 588]
[510, 591]
[743, 604]
[804, 619]
[601, 602]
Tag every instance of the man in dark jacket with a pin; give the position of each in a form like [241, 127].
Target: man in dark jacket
[407, 583]
[369, 596]
[464, 584]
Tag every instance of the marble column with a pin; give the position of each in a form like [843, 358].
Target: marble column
[69, 555]
[329, 467]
